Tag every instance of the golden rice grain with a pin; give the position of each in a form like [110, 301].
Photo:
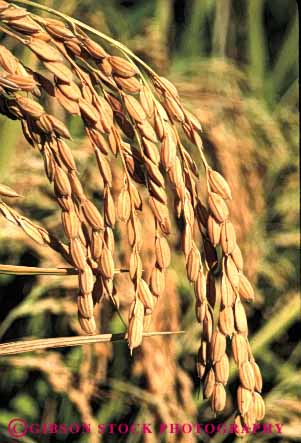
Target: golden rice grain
[162, 250]
[31, 230]
[168, 150]
[221, 370]
[166, 86]
[238, 422]
[250, 417]
[218, 399]
[174, 108]
[85, 305]
[226, 321]
[209, 384]
[218, 346]
[147, 131]
[92, 215]
[200, 311]
[244, 399]
[88, 112]
[58, 30]
[87, 324]
[232, 273]
[240, 317]
[246, 375]
[214, 230]
[94, 49]
[70, 223]
[157, 282]
[227, 292]
[218, 207]
[96, 244]
[219, 184]
[45, 51]
[239, 348]
[86, 280]
[77, 253]
[145, 295]
[193, 264]
[135, 265]
[259, 406]
[245, 288]
[66, 155]
[30, 107]
[124, 205]
[135, 332]
[208, 326]
[6, 191]
[106, 263]
[200, 369]
[7, 60]
[146, 101]
[109, 208]
[257, 375]
[134, 108]
[61, 71]
[122, 67]
[200, 287]
[131, 85]
[228, 237]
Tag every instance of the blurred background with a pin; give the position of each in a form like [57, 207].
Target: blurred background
[235, 64]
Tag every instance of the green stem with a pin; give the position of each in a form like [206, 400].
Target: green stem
[163, 15]
[256, 41]
[220, 29]
[192, 41]
[286, 60]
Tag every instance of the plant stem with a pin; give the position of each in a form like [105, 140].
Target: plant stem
[220, 29]
[30, 270]
[256, 41]
[19, 347]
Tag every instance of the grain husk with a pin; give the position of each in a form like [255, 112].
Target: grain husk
[214, 230]
[163, 254]
[239, 348]
[245, 288]
[259, 407]
[257, 375]
[246, 375]
[228, 237]
[209, 384]
[221, 370]
[226, 321]
[218, 346]
[157, 282]
[218, 207]
[92, 215]
[244, 399]
[240, 317]
[219, 184]
[122, 67]
[106, 263]
[193, 264]
[218, 399]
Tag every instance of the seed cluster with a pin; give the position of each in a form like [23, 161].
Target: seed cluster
[139, 119]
